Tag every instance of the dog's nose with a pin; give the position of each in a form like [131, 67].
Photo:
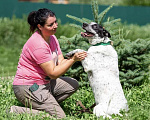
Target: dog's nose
[84, 25]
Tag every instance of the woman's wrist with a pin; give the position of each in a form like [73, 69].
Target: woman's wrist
[72, 59]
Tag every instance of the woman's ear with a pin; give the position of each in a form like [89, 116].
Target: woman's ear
[39, 27]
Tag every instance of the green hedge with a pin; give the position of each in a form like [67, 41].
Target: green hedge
[117, 2]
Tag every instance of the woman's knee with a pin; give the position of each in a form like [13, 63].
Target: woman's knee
[72, 82]
[76, 85]
[55, 111]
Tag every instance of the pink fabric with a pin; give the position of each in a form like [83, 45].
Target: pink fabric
[36, 51]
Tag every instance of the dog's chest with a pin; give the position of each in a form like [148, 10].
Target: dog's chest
[102, 57]
[106, 51]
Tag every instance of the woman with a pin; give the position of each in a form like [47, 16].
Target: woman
[38, 82]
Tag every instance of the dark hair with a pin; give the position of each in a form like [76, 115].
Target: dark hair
[39, 17]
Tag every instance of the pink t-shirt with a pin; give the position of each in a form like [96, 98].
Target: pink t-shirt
[36, 51]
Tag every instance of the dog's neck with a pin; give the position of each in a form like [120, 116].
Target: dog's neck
[95, 40]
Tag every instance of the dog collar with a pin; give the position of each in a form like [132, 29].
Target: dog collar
[102, 43]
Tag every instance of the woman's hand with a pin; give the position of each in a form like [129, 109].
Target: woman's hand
[79, 56]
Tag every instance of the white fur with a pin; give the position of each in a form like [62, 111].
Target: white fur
[101, 65]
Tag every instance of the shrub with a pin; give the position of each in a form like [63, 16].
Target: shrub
[14, 32]
[133, 58]
[133, 31]
[137, 2]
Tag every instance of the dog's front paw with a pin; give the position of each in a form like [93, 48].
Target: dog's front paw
[71, 53]
[99, 111]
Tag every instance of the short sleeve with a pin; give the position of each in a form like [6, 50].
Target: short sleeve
[42, 55]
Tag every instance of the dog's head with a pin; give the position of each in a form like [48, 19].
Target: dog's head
[94, 30]
[95, 33]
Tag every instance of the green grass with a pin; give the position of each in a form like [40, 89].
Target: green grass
[138, 100]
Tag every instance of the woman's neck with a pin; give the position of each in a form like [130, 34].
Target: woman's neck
[46, 38]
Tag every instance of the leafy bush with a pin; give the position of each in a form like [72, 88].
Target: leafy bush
[133, 31]
[14, 32]
[102, 2]
[65, 30]
[117, 2]
[137, 2]
[133, 58]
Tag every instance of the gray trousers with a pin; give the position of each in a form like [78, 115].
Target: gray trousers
[46, 98]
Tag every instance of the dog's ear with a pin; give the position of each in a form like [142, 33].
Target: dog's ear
[109, 35]
[106, 33]
[100, 31]
[103, 32]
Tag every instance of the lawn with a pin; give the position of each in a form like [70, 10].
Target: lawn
[138, 98]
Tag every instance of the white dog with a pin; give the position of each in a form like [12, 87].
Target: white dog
[101, 64]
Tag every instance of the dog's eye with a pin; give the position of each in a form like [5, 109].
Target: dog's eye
[94, 26]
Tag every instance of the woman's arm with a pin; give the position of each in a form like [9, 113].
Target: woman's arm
[61, 59]
[63, 65]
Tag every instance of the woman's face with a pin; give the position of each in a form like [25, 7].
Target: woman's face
[50, 26]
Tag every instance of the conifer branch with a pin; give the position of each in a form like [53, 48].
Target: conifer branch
[76, 26]
[102, 14]
[111, 22]
[87, 20]
[95, 10]
[75, 18]
[70, 39]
